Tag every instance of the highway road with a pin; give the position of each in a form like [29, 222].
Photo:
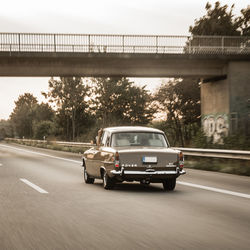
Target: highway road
[44, 204]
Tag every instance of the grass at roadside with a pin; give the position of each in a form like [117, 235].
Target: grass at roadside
[53, 146]
[230, 166]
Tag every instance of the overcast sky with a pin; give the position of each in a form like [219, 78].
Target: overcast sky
[161, 17]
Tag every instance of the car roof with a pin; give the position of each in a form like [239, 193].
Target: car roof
[132, 128]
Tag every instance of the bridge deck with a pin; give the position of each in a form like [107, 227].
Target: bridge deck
[24, 54]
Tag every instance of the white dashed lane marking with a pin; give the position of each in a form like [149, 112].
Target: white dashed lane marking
[40, 190]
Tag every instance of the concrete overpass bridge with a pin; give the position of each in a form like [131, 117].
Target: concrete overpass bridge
[119, 55]
[222, 62]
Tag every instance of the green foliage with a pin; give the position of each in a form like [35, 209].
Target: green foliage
[244, 22]
[27, 113]
[43, 128]
[23, 115]
[230, 166]
[201, 141]
[51, 146]
[221, 22]
[217, 21]
[70, 94]
[89, 134]
[117, 101]
[6, 129]
[43, 112]
[237, 142]
[180, 100]
[169, 129]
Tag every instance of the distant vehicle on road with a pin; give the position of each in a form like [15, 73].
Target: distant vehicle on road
[132, 154]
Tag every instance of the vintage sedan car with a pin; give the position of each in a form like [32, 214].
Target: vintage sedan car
[132, 154]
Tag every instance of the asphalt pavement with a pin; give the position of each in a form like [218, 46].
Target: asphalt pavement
[44, 204]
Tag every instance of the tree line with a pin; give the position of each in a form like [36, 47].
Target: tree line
[77, 107]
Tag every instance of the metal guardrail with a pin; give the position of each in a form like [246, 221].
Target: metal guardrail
[73, 144]
[150, 44]
[216, 153]
[63, 143]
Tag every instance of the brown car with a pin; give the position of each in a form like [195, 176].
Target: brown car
[132, 154]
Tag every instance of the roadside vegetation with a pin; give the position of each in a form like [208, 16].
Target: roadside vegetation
[77, 107]
[50, 145]
[230, 166]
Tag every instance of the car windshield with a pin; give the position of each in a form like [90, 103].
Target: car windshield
[143, 139]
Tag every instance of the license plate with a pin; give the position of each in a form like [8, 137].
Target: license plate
[149, 159]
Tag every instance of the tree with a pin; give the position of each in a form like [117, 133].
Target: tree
[117, 101]
[217, 21]
[221, 22]
[43, 112]
[43, 128]
[180, 99]
[27, 113]
[23, 115]
[43, 123]
[244, 22]
[6, 129]
[70, 95]
[2, 133]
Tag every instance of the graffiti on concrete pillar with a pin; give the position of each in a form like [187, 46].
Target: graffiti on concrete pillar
[216, 126]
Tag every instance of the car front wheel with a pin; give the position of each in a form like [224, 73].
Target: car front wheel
[169, 184]
[87, 179]
[108, 183]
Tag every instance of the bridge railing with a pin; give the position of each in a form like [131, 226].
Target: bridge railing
[90, 43]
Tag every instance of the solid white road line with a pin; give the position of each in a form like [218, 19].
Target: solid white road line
[41, 154]
[218, 190]
[40, 190]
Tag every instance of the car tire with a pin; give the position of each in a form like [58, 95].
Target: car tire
[169, 184]
[86, 177]
[108, 183]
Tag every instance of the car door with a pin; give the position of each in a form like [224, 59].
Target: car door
[91, 160]
[95, 157]
[100, 155]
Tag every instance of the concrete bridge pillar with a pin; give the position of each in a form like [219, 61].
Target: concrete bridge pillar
[225, 102]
